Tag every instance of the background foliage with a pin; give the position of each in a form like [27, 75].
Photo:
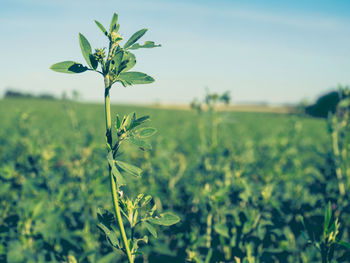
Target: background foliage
[242, 200]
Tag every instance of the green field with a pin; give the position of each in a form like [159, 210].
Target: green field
[243, 199]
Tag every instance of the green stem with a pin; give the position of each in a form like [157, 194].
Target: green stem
[114, 186]
[338, 170]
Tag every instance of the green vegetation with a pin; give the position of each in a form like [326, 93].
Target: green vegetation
[267, 173]
[248, 187]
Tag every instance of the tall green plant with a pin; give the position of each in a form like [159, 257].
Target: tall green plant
[210, 104]
[339, 126]
[115, 67]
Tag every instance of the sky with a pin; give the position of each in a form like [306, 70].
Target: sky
[261, 51]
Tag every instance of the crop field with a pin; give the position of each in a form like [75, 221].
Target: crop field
[259, 195]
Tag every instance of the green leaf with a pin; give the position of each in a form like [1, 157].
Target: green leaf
[129, 61]
[113, 23]
[123, 82]
[127, 122]
[136, 36]
[134, 77]
[131, 169]
[327, 217]
[117, 61]
[166, 219]
[94, 62]
[118, 123]
[150, 229]
[138, 199]
[110, 234]
[146, 132]
[86, 50]
[146, 200]
[147, 44]
[70, 67]
[221, 229]
[345, 244]
[138, 121]
[143, 119]
[100, 26]
[140, 143]
[106, 220]
[117, 175]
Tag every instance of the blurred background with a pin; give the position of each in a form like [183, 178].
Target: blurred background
[262, 51]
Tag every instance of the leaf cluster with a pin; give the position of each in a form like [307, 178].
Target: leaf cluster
[139, 213]
[116, 65]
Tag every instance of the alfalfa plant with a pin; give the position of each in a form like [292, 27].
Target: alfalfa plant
[329, 239]
[339, 126]
[209, 105]
[215, 191]
[114, 66]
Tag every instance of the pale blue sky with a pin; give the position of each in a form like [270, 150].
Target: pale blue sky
[274, 51]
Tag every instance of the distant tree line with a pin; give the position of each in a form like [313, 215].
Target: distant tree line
[325, 104]
[17, 94]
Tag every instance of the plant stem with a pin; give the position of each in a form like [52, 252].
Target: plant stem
[114, 186]
[338, 170]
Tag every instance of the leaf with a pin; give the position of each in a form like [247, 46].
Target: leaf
[127, 122]
[110, 234]
[94, 62]
[123, 82]
[146, 200]
[147, 44]
[345, 244]
[70, 67]
[146, 132]
[134, 77]
[138, 121]
[221, 229]
[105, 216]
[138, 199]
[140, 143]
[113, 22]
[143, 118]
[117, 61]
[106, 220]
[118, 123]
[150, 229]
[129, 61]
[100, 26]
[114, 170]
[166, 219]
[131, 169]
[136, 36]
[327, 217]
[86, 50]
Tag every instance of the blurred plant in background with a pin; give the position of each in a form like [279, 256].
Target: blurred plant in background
[339, 126]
